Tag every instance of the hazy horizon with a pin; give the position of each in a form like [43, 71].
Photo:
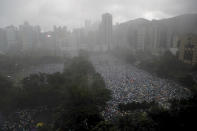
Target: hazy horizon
[73, 13]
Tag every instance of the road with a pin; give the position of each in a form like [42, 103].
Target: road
[129, 84]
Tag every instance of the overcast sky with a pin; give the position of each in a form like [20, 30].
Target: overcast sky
[73, 13]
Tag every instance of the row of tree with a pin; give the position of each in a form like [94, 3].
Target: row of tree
[74, 98]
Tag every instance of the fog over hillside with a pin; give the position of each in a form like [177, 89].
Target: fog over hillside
[72, 13]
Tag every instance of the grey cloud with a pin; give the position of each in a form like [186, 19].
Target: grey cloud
[74, 12]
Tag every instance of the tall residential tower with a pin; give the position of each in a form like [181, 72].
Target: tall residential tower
[106, 31]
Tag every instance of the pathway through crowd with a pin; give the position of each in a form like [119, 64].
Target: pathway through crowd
[129, 84]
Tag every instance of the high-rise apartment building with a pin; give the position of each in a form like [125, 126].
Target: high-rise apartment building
[106, 31]
[188, 49]
[3, 40]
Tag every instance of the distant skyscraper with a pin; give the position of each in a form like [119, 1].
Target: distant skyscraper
[26, 32]
[106, 31]
[3, 40]
[12, 38]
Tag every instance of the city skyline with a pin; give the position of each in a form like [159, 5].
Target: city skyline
[74, 13]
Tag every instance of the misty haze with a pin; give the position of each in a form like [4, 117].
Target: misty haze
[98, 65]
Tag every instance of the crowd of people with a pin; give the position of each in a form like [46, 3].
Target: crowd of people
[23, 120]
[130, 84]
[127, 83]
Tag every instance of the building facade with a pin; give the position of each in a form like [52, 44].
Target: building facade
[188, 49]
[106, 31]
[3, 40]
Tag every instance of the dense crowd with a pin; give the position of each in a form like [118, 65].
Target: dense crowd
[129, 84]
[23, 120]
